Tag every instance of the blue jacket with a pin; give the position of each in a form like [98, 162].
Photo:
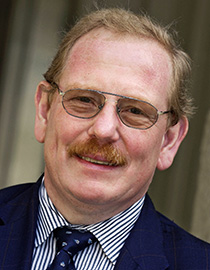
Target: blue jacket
[155, 243]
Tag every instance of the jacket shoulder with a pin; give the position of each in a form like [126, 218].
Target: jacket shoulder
[183, 247]
[17, 200]
[179, 234]
[9, 193]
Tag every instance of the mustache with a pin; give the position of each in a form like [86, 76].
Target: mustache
[92, 147]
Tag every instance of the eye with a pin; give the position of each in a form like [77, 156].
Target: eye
[135, 110]
[83, 99]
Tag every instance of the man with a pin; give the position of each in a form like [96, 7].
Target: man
[113, 107]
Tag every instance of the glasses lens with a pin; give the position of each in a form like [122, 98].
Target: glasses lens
[136, 113]
[83, 103]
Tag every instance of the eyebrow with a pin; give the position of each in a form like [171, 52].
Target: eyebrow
[85, 87]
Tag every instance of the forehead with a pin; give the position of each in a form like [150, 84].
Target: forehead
[102, 57]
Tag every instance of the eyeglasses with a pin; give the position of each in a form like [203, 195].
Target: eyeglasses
[87, 103]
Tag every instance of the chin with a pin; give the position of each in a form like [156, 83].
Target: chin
[94, 197]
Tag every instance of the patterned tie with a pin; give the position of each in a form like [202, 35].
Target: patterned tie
[69, 242]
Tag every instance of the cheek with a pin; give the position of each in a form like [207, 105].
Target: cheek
[62, 128]
[62, 131]
[145, 148]
[57, 135]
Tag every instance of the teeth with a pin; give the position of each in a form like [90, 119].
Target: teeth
[96, 161]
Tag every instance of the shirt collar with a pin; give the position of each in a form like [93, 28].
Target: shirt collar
[48, 217]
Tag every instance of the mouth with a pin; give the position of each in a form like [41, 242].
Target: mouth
[98, 162]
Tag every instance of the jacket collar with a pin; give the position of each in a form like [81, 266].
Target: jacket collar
[144, 247]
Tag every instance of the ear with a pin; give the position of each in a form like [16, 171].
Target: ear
[42, 110]
[171, 142]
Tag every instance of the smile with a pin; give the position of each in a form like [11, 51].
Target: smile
[99, 162]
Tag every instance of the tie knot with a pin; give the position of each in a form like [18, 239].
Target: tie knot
[72, 241]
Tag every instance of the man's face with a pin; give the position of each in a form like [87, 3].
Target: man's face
[127, 66]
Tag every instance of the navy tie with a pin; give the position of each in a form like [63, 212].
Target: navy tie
[69, 242]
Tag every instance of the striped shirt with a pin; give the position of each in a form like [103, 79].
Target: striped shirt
[102, 255]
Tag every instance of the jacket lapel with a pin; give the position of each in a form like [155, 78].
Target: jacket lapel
[18, 226]
[144, 247]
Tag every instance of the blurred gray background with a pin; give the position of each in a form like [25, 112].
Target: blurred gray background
[30, 31]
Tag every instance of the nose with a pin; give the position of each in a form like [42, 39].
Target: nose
[105, 125]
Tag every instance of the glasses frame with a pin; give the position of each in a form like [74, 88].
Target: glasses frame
[103, 93]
